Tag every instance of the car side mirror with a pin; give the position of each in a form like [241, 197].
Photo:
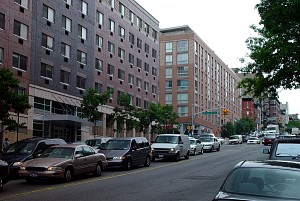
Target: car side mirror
[78, 156]
[266, 151]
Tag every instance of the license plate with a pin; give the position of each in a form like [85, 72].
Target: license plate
[160, 156]
[33, 175]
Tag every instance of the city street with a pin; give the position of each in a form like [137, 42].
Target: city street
[197, 178]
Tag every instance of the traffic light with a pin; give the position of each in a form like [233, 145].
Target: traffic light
[225, 112]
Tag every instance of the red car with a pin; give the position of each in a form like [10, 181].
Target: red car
[269, 138]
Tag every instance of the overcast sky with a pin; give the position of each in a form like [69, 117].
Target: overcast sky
[222, 24]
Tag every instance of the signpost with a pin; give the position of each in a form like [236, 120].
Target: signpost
[209, 112]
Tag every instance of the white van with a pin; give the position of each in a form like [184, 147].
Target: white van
[236, 139]
[171, 146]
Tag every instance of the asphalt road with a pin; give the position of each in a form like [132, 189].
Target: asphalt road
[197, 178]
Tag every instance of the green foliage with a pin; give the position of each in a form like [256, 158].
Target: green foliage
[292, 124]
[90, 103]
[244, 126]
[10, 101]
[228, 130]
[275, 52]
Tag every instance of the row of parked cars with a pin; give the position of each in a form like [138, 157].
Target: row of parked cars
[277, 178]
[39, 158]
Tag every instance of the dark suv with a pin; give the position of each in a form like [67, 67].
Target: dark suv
[24, 150]
[127, 152]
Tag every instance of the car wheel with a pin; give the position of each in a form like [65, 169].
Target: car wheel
[211, 148]
[68, 175]
[195, 152]
[129, 164]
[202, 151]
[177, 157]
[1, 184]
[218, 149]
[187, 156]
[98, 170]
[147, 161]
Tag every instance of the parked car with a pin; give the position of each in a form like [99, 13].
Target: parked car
[24, 150]
[284, 149]
[221, 140]
[196, 146]
[64, 162]
[253, 140]
[263, 181]
[268, 138]
[235, 139]
[286, 136]
[246, 138]
[172, 146]
[97, 141]
[127, 152]
[210, 143]
[4, 174]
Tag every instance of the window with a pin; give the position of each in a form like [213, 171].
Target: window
[121, 53]
[19, 61]
[80, 82]
[1, 55]
[182, 46]
[121, 74]
[139, 43]
[168, 59]
[99, 18]
[169, 47]
[182, 98]
[121, 32]
[111, 25]
[182, 111]
[168, 72]
[67, 23]
[99, 41]
[98, 88]
[46, 70]
[154, 89]
[111, 94]
[147, 28]
[2, 21]
[139, 22]
[130, 79]
[65, 77]
[131, 16]
[69, 2]
[23, 3]
[112, 3]
[168, 98]
[154, 34]
[146, 104]
[110, 70]
[168, 85]
[182, 71]
[182, 58]
[111, 47]
[146, 86]
[48, 13]
[81, 57]
[182, 84]
[82, 32]
[65, 50]
[138, 62]
[83, 7]
[138, 102]
[98, 64]
[154, 71]
[154, 53]
[20, 29]
[139, 83]
[147, 48]
[47, 41]
[146, 67]
[121, 9]
[131, 38]
[131, 58]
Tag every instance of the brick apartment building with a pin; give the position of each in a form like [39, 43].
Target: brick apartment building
[59, 49]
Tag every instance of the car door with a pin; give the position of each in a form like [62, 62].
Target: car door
[135, 153]
[79, 163]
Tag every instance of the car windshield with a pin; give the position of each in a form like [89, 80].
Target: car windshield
[252, 138]
[287, 149]
[116, 145]
[270, 136]
[193, 142]
[206, 139]
[93, 142]
[167, 139]
[233, 137]
[21, 147]
[58, 152]
[264, 182]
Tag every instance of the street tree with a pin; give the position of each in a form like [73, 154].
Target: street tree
[10, 101]
[90, 103]
[292, 124]
[274, 55]
[227, 130]
[244, 126]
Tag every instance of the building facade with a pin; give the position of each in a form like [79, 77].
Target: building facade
[196, 82]
[59, 49]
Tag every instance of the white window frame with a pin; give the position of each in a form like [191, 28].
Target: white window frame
[169, 47]
[18, 56]
[121, 32]
[22, 30]
[112, 3]
[99, 17]
[168, 98]
[121, 53]
[81, 80]
[130, 79]
[48, 68]
[84, 8]
[67, 23]
[1, 54]
[169, 59]
[121, 9]
[83, 57]
[99, 41]
[111, 48]
[50, 13]
[99, 63]
[65, 50]
[65, 75]
[112, 25]
[182, 98]
[49, 42]
[23, 3]
[69, 2]
[168, 72]
[82, 32]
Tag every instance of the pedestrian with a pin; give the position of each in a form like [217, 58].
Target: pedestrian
[5, 143]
